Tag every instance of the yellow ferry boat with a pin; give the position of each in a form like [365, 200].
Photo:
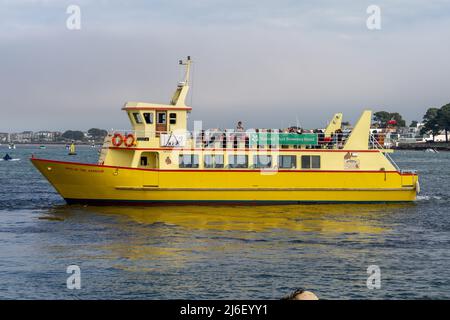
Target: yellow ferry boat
[160, 161]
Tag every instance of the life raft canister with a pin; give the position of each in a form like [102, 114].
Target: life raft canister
[130, 140]
[117, 139]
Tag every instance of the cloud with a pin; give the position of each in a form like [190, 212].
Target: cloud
[264, 62]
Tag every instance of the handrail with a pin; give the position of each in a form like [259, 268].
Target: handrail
[376, 145]
[212, 136]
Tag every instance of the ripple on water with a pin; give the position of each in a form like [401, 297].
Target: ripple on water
[221, 252]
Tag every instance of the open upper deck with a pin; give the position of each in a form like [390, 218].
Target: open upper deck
[159, 128]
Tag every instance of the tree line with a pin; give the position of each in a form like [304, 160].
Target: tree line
[434, 121]
[95, 134]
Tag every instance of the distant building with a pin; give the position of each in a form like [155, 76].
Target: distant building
[3, 137]
[22, 137]
[397, 135]
[441, 137]
[46, 136]
[30, 136]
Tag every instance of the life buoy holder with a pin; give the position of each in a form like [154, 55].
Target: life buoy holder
[130, 140]
[117, 139]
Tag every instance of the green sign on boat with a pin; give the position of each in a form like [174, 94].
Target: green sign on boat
[283, 139]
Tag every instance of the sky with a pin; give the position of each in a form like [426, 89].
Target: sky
[267, 63]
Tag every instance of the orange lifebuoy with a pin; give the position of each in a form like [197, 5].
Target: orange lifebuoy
[128, 142]
[117, 139]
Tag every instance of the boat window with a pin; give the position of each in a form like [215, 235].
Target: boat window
[188, 161]
[148, 117]
[262, 161]
[315, 162]
[310, 162]
[161, 117]
[172, 118]
[238, 161]
[144, 161]
[137, 117]
[213, 161]
[287, 162]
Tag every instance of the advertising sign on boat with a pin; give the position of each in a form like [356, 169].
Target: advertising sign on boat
[283, 139]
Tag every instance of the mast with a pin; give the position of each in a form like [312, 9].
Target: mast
[180, 94]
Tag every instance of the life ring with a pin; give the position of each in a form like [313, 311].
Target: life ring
[117, 139]
[128, 142]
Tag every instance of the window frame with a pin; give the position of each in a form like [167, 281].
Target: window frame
[150, 117]
[213, 164]
[258, 165]
[174, 119]
[137, 117]
[293, 163]
[235, 165]
[144, 159]
[159, 113]
[192, 164]
[312, 162]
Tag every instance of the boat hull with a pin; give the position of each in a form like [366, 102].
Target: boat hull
[98, 184]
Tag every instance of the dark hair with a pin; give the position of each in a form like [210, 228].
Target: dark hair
[293, 294]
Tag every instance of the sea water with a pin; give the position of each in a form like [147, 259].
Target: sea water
[220, 252]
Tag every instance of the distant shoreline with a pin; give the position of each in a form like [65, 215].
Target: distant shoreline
[440, 146]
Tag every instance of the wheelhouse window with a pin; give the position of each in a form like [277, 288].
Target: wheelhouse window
[238, 161]
[172, 118]
[137, 117]
[161, 117]
[287, 162]
[214, 161]
[310, 162]
[148, 117]
[188, 161]
[262, 161]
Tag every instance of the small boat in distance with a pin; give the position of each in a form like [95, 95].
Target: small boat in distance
[11, 146]
[160, 161]
[42, 147]
[8, 158]
[72, 151]
[431, 150]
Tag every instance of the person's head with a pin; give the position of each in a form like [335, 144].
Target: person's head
[240, 123]
[301, 294]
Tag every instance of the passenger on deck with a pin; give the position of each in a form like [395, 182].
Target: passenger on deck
[339, 137]
[376, 136]
[239, 136]
[239, 127]
[320, 138]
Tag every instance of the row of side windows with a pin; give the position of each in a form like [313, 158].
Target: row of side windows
[148, 117]
[241, 161]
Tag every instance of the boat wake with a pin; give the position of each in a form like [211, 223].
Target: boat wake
[427, 198]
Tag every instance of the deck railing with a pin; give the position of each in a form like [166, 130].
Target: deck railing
[257, 139]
